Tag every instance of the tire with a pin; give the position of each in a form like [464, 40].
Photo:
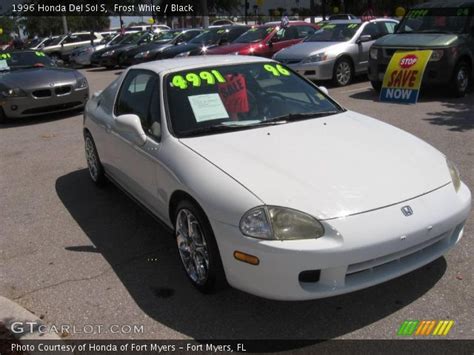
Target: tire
[3, 117]
[377, 85]
[198, 250]
[461, 79]
[96, 170]
[343, 72]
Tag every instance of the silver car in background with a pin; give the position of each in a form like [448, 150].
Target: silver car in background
[337, 51]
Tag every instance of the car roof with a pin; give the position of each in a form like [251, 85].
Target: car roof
[175, 64]
[445, 4]
[344, 22]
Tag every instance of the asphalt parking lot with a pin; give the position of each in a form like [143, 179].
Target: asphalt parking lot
[73, 254]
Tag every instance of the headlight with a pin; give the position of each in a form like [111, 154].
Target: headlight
[81, 83]
[15, 92]
[437, 55]
[142, 54]
[453, 170]
[183, 54]
[374, 53]
[318, 57]
[108, 53]
[280, 223]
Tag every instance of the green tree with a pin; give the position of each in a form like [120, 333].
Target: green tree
[7, 24]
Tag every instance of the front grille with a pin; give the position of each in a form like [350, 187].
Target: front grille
[423, 248]
[289, 61]
[42, 93]
[62, 90]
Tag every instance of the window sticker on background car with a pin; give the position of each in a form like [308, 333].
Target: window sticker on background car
[3, 64]
[352, 25]
[5, 56]
[329, 26]
[234, 94]
[276, 70]
[40, 54]
[196, 79]
[207, 107]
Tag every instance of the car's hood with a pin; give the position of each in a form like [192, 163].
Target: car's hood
[37, 77]
[329, 167]
[305, 49]
[417, 40]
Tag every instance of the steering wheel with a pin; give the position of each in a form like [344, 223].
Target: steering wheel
[273, 102]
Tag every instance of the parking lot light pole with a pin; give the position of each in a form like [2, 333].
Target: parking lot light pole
[64, 24]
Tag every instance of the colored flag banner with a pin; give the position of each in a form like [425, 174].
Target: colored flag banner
[402, 80]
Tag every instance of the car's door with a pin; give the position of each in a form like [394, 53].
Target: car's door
[284, 37]
[362, 61]
[135, 167]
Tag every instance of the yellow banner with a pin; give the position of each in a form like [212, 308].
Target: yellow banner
[402, 80]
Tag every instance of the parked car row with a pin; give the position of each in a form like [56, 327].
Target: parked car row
[336, 50]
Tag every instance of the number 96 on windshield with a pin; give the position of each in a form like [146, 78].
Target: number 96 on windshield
[212, 77]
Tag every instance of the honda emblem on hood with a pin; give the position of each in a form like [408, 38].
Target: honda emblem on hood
[407, 211]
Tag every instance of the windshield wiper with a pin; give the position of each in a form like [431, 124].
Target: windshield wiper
[292, 117]
[217, 128]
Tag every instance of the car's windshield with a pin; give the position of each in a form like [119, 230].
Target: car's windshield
[332, 32]
[115, 40]
[55, 41]
[24, 59]
[442, 20]
[209, 36]
[255, 34]
[220, 98]
[132, 38]
[167, 35]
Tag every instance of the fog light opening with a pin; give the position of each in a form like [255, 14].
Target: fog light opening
[246, 258]
[309, 276]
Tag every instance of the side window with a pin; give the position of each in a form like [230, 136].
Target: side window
[85, 37]
[189, 35]
[136, 95]
[304, 31]
[371, 29]
[71, 39]
[285, 34]
[386, 28]
[233, 34]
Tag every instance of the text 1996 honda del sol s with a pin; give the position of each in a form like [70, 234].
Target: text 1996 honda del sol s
[267, 182]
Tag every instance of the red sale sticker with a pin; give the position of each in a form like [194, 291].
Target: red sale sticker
[234, 94]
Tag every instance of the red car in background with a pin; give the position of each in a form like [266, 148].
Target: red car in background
[266, 40]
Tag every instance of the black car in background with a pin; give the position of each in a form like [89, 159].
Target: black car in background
[109, 56]
[148, 52]
[212, 37]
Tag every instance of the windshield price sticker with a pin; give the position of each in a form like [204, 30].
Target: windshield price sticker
[276, 70]
[418, 13]
[40, 54]
[329, 26]
[5, 56]
[402, 80]
[195, 80]
[352, 25]
[463, 12]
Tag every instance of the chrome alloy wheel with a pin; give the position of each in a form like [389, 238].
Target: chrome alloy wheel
[92, 160]
[192, 246]
[343, 73]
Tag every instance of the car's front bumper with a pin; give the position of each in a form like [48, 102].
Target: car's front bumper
[436, 73]
[30, 105]
[315, 71]
[357, 251]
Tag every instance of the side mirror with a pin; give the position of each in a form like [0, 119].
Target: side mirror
[324, 90]
[131, 127]
[364, 38]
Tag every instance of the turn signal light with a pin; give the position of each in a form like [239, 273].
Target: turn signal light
[246, 258]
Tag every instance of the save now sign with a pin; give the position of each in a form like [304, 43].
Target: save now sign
[402, 80]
